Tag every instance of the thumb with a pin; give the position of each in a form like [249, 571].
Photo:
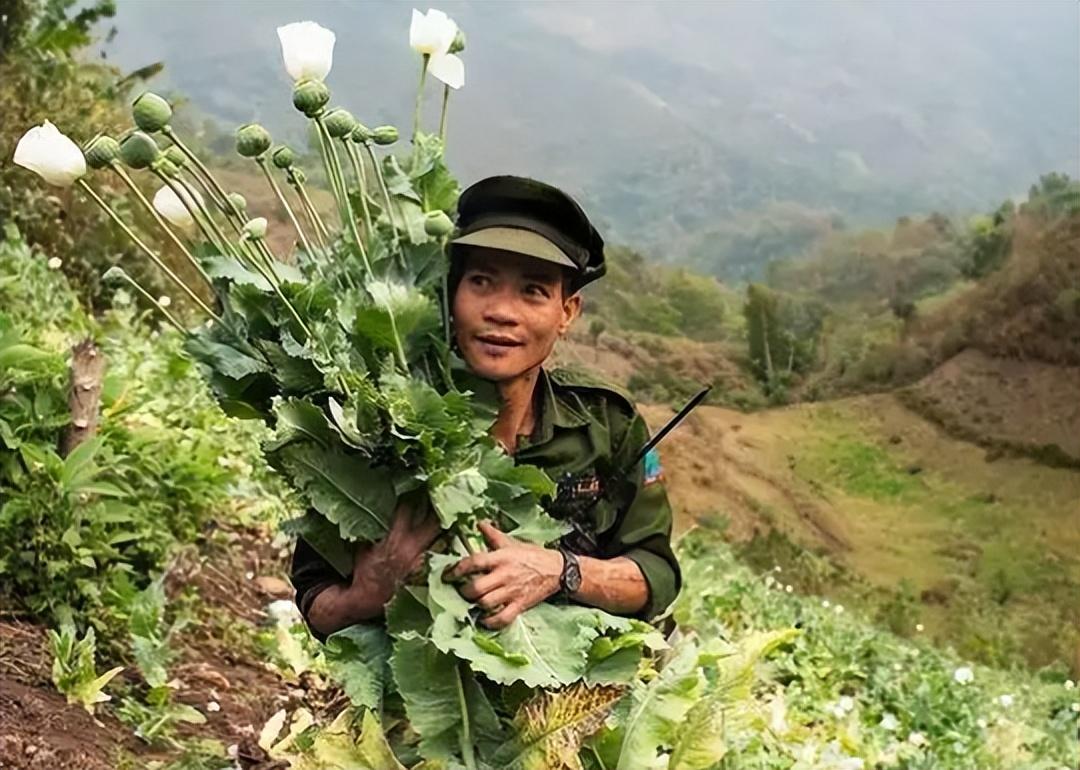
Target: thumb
[494, 536]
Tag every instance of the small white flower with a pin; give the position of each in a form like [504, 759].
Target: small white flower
[769, 581]
[776, 568]
[897, 667]
[1006, 700]
[171, 206]
[837, 711]
[1069, 684]
[50, 155]
[1076, 707]
[789, 588]
[920, 627]
[307, 49]
[846, 702]
[839, 609]
[916, 739]
[964, 675]
[825, 604]
[889, 722]
[213, 706]
[54, 263]
[982, 723]
[164, 301]
[432, 34]
[249, 575]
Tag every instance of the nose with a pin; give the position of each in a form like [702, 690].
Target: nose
[501, 310]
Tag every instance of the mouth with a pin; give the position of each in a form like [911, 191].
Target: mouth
[498, 341]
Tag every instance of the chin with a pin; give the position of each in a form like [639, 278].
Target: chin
[497, 369]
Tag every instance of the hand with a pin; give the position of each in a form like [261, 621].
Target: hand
[400, 553]
[510, 578]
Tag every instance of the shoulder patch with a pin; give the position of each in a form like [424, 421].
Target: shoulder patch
[653, 471]
[577, 378]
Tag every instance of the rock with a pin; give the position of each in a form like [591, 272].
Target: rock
[272, 586]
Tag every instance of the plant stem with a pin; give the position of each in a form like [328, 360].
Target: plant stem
[148, 251]
[336, 185]
[269, 258]
[386, 201]
[419, 97]
[223, 202]
[309, 211]
[149, 298]
[442, 116]
[161, 221]
[193, 207]
[261, 161]
[361, 176]
[349, 217]
[466, 733]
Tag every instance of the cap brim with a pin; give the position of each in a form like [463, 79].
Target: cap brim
[519, 241]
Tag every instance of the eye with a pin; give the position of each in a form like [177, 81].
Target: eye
[479, 280]
[537, 290]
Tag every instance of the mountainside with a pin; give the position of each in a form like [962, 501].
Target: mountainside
[674, 122]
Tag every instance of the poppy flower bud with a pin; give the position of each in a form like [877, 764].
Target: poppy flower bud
[310, 96]
[339, 123]
[384, 135]
[176, 156]
[151, 112]
[283, 157]
[101, 151]
[252, 140]
[165, 167]
[238, 202]
[255, 228]
[459, 43]
[361, 133]
[138, 150]
[437, 224]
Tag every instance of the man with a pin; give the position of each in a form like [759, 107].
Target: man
[523, 252]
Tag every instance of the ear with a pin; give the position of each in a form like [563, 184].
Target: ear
[571, 310]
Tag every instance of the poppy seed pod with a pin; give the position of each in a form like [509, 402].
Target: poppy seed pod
[283, 157]
[138, 150]
[237, 201]
[176, 156]
[310, 96]
[384, 135]
[255, 228]
[165, 167]
[437, 224]
[101, 151]
[361, 134]
[252, 140]
[339, 123]
[151, 112]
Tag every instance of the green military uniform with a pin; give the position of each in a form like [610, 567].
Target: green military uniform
[588, 436]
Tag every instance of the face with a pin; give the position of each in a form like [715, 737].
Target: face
[509, 310]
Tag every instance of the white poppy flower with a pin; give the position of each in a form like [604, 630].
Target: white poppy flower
[1006, 700]
[449, 68]
[54, 263]
[50, 155]
[308, 50]
[169, 205]
[889, 722]
[916, 739]
[964, 675]
[431, 33]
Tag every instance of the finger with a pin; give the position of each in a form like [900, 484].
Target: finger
[484, 584]
[478, 562]
[503, 617]
[493, 600]
[494, 536]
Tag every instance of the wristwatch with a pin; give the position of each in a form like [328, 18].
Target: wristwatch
[570, 579]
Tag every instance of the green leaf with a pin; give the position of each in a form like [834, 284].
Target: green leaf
[79, 467]
[344, 488]
[461, 494]
[552, 726]
[407, 612]
[358, 657]
[325, 537]
[702, 739]
[654, 711]
[299, 420]
[224, 359]
[373, 748]
[231, 270]
[442, 700]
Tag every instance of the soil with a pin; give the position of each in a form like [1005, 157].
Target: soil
[39, 729]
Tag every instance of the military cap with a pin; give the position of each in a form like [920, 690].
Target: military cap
[521, 215]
